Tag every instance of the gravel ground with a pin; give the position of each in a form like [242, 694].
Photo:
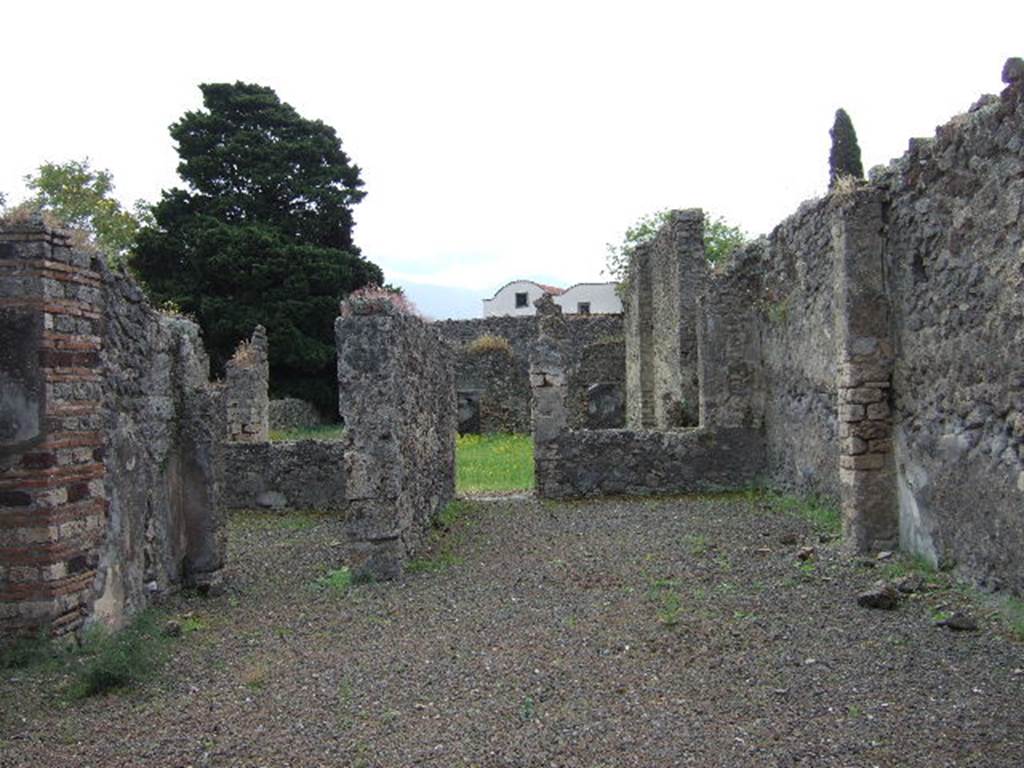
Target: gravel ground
[639, 633]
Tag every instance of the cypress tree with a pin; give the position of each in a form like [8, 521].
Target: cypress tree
[844, 158]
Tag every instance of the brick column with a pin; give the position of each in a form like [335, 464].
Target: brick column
[52, 499]
[864, 376]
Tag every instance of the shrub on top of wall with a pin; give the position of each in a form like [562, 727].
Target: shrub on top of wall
[488, 342]
[375, 300]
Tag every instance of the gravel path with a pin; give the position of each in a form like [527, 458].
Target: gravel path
[640, 633]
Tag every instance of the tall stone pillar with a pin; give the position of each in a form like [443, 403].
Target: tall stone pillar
[549, 387]
[864, 375]
[247, 398]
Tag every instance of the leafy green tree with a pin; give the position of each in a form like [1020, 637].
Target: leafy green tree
[720, 239]
[844, 156]
[82, 199]
[262, 234]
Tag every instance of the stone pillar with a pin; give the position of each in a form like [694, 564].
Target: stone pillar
[246, 392]
[549, 388]
[864, 375]
[397, 397]
[53, 503]
[638, 331]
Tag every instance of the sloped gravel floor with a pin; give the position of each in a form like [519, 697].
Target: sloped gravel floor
[612, 633]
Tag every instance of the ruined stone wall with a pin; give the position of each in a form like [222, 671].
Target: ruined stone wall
[304, 474]
[494, 388]
[597, 385]
[397, 397]
[666, 277]
[798, 348]
[954, 262]
[246, 390]
[574, 463]
[292, 413]
[163, 433]
[108, 442]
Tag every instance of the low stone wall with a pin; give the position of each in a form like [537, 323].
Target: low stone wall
[291, 413]
[608, 462]
[305, 474]
[397, 398]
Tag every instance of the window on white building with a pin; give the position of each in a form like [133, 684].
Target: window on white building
[521, 300]
[583, 308]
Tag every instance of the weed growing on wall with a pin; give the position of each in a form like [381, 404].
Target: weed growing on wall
[488, 342]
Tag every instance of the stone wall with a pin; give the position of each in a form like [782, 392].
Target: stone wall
[954, 261]
[246, 390]
[305, 474]
[874, 339]
[397, 398]
[666, 277]
[109, 437]
[798, 321]
[573, 463]
[494, 388]
[291, 413]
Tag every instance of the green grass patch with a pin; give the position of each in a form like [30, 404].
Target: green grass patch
[1013, 613]
[668, 604]
[446, 537]
[114, 660]
[323, 432]
[28, 652]
[822, 515]
[338, 581]
[494, 463]
[287, 521]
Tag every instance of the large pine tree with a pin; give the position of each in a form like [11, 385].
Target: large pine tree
[262, 234]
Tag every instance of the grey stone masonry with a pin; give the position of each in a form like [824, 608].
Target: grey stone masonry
[864, 381]
[397, 398]
[246, 390]
[666, 277]
[493, 383]
[293, 413]
[574, 463]
[304, 474]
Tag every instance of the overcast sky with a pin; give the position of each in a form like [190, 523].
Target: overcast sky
[513, 139]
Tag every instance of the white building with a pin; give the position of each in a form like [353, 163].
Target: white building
[517, 297]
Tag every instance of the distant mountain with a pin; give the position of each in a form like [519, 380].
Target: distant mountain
[439, 302]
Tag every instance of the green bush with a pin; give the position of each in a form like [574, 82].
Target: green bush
[112, 660]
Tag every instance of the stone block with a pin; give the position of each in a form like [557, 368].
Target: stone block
[878, 411]
[867, 461]
[851, 413]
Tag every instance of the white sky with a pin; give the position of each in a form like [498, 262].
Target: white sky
[513, 139]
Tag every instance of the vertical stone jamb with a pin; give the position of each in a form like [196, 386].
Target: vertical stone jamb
[397, 397]
[549, 387]
[677, 275]
[246, 390]
[864, 376]
[639, 335]
[53, 503]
